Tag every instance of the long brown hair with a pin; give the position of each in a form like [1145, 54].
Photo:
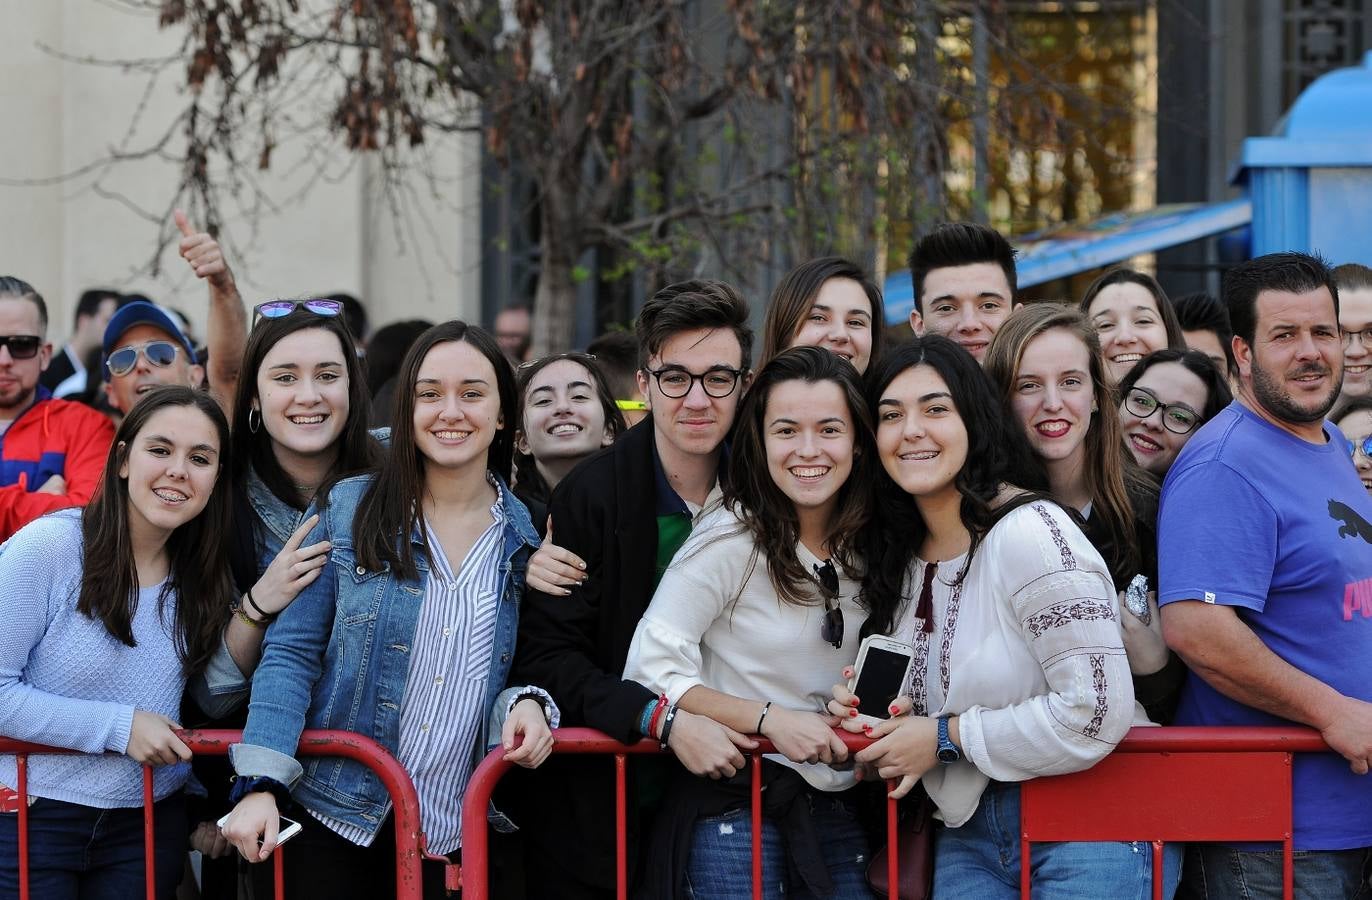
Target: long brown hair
[767, 512]
[795, 295]
[199, 572]
[1112, 477]
[392, 509]
[1176, 340]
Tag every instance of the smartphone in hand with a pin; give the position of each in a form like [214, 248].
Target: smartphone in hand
[879, 676]
[285, 828]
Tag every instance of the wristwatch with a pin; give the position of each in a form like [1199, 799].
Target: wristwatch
[947, 752]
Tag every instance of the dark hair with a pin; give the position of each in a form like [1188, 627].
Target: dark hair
[1353, 277]
[1217, 393]
[960, 244]
[1113, 479]
[526, 341]
[18, 287]
[529, 478]
[997, 455]
[357, 449]
[795, 294]
[90, 301]
[762, 506]
[1352, 407]
[387, 348]
[1204, 312]
[354, 314]
[198, 575]
[1175, 339]
[1289, 272]
[616, 356]
[688, 305]
[393, 508]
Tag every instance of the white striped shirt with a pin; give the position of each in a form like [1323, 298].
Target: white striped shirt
[445, 691]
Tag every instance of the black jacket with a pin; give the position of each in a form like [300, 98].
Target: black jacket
[605, 512]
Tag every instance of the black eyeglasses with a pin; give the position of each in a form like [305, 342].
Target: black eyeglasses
[831, 628]
[1176, 418]
[21, 346]
[276, 309]
[1365, 445]
[676, 382]
[158, 353]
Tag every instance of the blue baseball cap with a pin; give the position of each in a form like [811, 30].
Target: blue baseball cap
[141, 312]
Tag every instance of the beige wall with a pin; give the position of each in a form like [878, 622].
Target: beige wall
[62, 115]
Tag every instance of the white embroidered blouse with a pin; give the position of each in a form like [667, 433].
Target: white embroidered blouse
[1026, 650]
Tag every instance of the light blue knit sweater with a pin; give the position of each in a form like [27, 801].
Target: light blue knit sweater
[66, 682]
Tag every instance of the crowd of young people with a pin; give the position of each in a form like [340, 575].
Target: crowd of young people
[508, 557]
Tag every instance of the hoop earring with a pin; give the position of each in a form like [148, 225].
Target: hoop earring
[254, 424]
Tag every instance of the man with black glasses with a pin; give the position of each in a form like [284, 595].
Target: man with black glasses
[623, 513]
[51, 451]
[144, 347]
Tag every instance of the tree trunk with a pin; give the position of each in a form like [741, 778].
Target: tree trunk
[554, 313]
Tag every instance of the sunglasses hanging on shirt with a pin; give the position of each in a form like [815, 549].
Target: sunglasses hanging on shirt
[831, 628]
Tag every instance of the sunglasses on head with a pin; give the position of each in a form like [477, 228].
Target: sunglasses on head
[831, 628]
[1365, 445]
[157, 353]
[21, 346]
[276, 309]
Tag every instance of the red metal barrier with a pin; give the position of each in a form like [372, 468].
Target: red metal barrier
[587, 741]
[1160, 784]
[345, 744]
[1165, 784]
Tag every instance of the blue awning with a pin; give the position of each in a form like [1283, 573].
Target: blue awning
[1077, 248]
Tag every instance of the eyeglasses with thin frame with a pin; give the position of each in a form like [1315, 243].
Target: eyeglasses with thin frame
[1176, 418]
[831, 627]
[1363, 444]
[675, 382]
[1364, 337]
[157, 353]
[21, 346]
[277, 309]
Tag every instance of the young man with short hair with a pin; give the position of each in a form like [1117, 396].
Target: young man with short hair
[963, 276]
[1265, 563]
[52, 452]
[624, 512]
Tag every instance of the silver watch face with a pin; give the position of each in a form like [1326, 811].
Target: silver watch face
[949, 755]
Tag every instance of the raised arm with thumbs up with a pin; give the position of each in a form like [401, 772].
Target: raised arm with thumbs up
[227, 331]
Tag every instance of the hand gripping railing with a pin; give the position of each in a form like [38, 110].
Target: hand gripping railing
[345, 744]
[1160, 784]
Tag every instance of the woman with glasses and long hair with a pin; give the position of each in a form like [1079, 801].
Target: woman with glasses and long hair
[756, 610]
[1046, 364]
[109, 611]
[1018, 671]
[1355, 421]
[828, 302]
[300, 416]
[566, 413]
[406, 636]
[1164, 399]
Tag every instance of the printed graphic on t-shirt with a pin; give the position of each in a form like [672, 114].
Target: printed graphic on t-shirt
[1352, 523]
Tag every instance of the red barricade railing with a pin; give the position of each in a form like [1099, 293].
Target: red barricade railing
[345, 744]
[1160, 785]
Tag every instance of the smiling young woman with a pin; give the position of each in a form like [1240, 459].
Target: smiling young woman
[1133, 317]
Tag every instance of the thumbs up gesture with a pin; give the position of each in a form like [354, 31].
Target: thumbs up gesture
[202, 252]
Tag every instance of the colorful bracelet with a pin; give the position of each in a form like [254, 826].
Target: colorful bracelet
[658, 709]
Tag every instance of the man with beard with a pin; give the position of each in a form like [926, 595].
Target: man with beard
[1265, 558]
[51, 451]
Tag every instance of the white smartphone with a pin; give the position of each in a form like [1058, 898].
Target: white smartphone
[285, 829]
[879, 675]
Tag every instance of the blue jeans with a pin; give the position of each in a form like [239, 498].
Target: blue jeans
[981, 860]
[1218, 872]
[721, 863]
[83, 853]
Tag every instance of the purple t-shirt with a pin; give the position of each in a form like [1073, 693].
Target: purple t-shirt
[1281, 529]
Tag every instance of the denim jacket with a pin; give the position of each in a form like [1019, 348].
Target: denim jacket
[339, 656]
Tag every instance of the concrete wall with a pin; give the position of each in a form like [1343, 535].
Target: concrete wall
[416, 255]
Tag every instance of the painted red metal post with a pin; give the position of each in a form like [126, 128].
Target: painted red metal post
[21, 765]
[149, 838]
[621, 827]
[892, 857]
[755, 804]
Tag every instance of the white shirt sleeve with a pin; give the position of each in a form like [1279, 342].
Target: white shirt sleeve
[1059, 591]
